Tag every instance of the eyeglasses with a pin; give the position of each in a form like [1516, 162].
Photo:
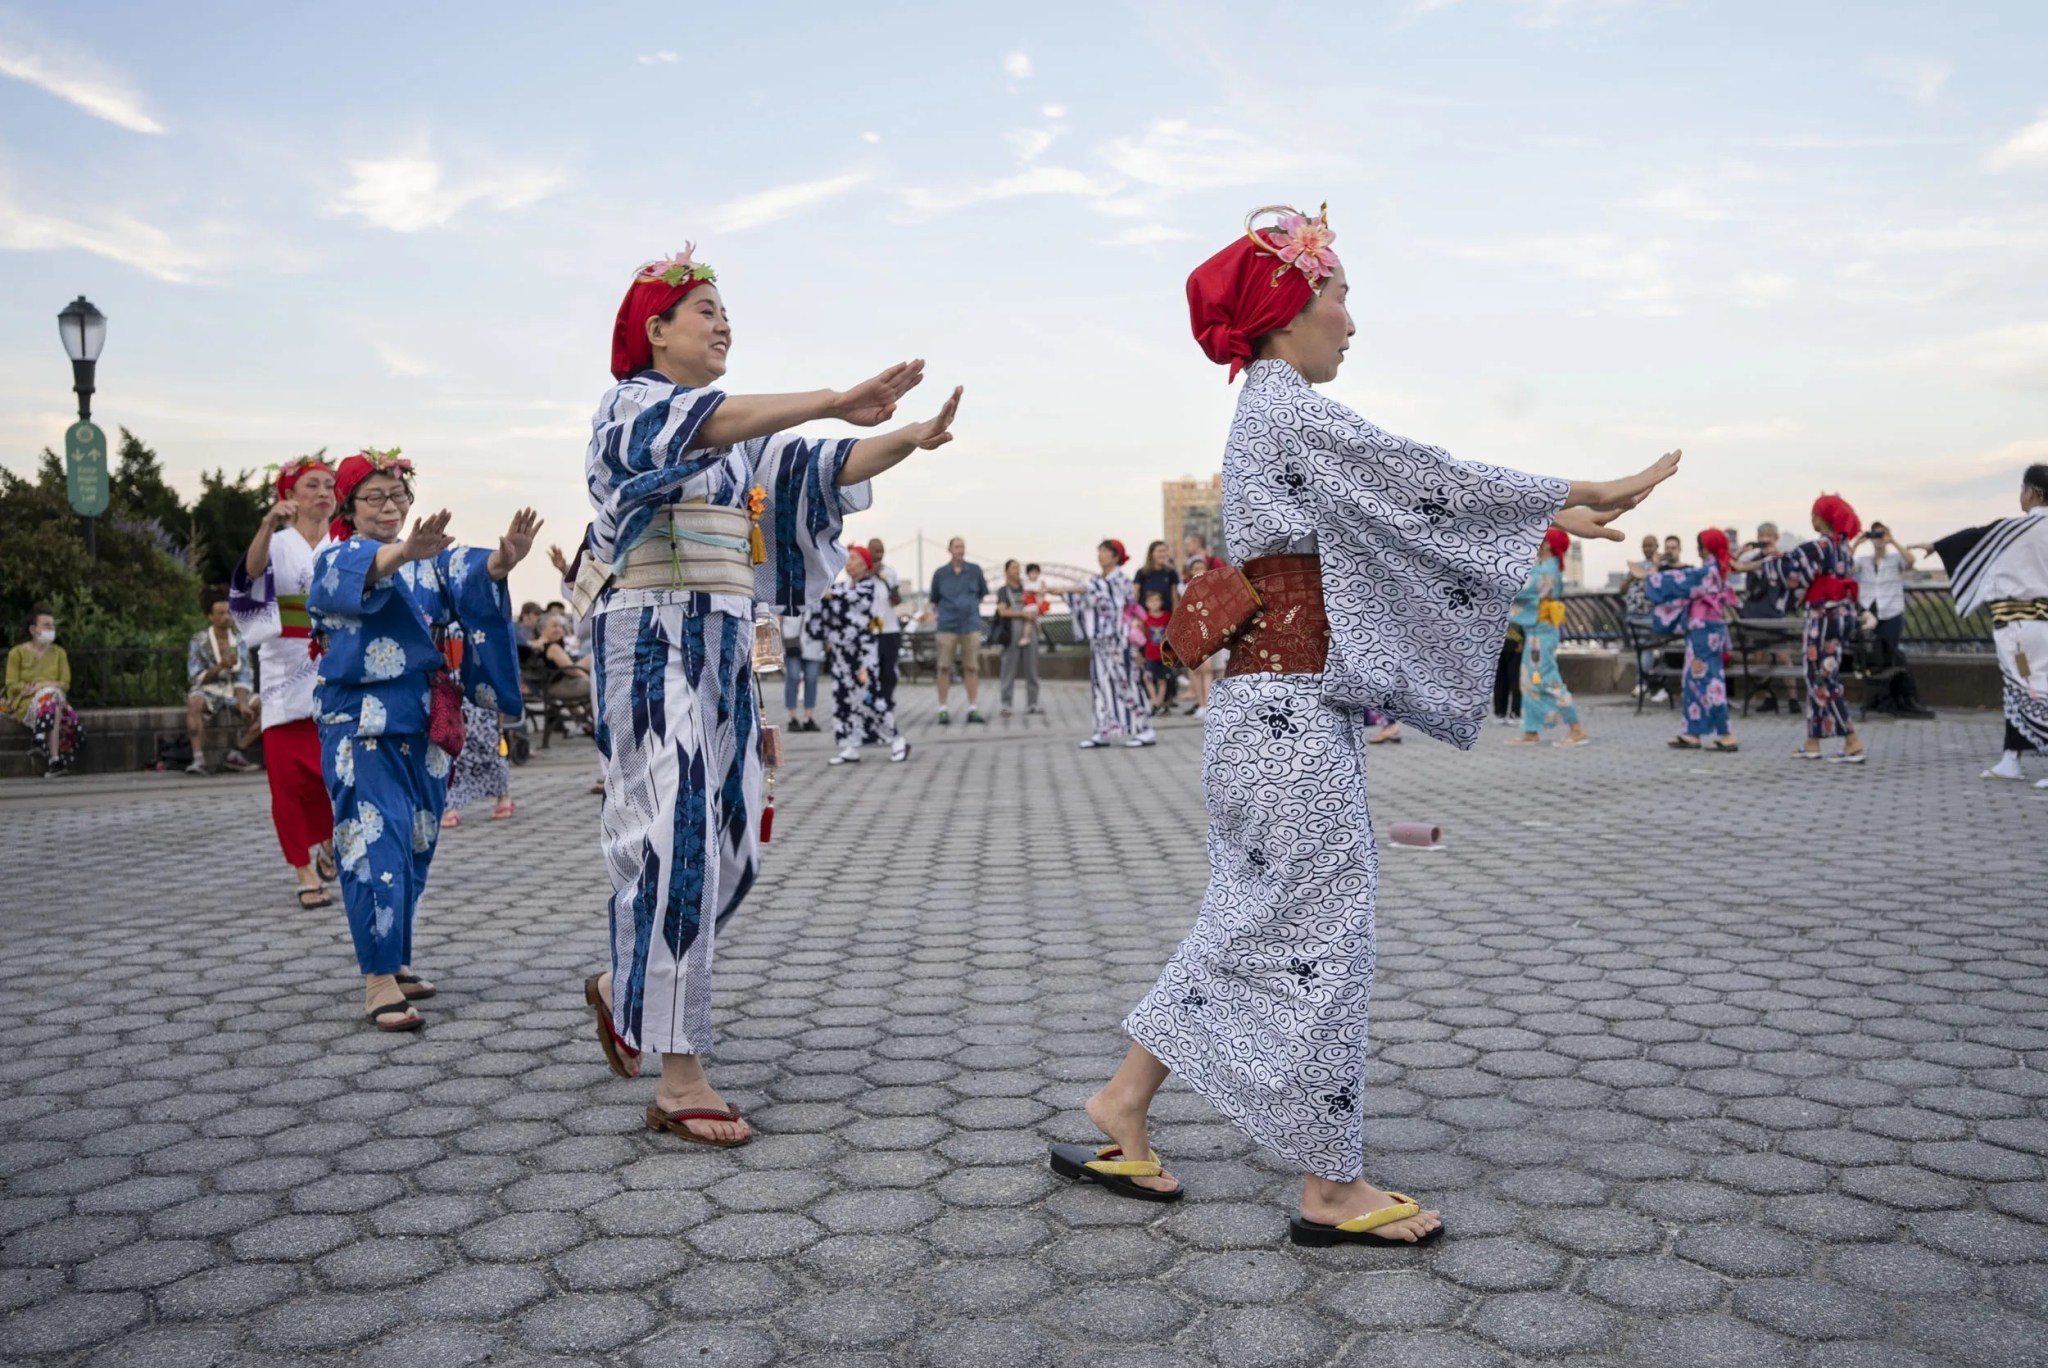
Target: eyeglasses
[378, 499]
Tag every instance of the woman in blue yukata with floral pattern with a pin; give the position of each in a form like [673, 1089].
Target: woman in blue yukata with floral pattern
[377, 600]
[1823, 573]
[1697, 600]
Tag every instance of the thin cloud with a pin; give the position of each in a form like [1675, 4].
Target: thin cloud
[72, 75]
[2028, 147]
[1039, 180]
[1017, 66]
[1919, 79]
[2014, 357]
[1536, 13]
[1175, 155]
[656, 58]
[1759, 289]
[1630, 279]
[116, 236]
[767, 206]
[403, 364]
[411, 193]
[871, 137]
[1146, 235]
[1031, 143]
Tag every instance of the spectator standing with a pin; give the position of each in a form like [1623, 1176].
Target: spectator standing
[889, 643]
[1018, 610]
[1673, 555]
[1201, 676]
[1635, 606]
[528, 627]
[958, 588]
[1881, 566]
[220, 681]
[1507, 677]
[1157, 676]
[38, 694]
[801, 656]
[1157, 576]
[1761, 598]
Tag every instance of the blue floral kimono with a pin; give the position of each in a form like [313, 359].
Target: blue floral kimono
[1545, 699]
[678, 714]
[1696, 600]
[387, 782]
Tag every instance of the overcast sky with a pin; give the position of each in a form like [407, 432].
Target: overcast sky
[1807, 242]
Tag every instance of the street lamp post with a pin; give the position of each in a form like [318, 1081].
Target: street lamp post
[84, 331]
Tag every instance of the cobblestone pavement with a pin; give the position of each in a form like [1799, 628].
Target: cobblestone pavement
[1721, 1061]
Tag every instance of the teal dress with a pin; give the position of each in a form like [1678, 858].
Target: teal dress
[1545, 699]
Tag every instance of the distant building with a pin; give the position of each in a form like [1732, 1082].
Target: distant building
[1575, 565]
[1196, 506]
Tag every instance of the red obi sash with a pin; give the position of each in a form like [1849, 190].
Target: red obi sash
[1833, 589]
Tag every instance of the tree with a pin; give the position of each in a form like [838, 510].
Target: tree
[141, 493]
[224, 521]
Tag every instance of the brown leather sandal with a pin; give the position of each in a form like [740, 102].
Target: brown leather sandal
[624, 1059]
[674, 1124]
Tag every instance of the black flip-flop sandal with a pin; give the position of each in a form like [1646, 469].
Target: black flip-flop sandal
[1359, 1229]
[1679, 743]
[1108, 1167]
[413, 1022]
[323, 865]
[414, 987]
[319, 898]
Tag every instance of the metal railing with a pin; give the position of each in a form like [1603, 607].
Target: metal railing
[1598, 618]
[127, 676]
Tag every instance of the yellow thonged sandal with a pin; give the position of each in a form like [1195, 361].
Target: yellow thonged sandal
[1359, 1229]
[1108, 1167]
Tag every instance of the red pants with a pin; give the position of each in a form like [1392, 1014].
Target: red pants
[298, 799]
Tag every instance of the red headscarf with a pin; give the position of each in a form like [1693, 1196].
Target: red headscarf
[1714, 543]
[1557, 541]
[1258, 284]
[658, 287]
[1841, 519]
[867, 561]
[288, 474]
[353, 472]
[1123, 557]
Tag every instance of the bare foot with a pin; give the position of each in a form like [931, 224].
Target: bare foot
[1329, 1203]
[1124, 1124]
[683, 1087]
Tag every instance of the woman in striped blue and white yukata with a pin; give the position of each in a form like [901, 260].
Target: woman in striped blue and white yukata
[704, 509]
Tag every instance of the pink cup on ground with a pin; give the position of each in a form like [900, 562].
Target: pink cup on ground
[1427, 835]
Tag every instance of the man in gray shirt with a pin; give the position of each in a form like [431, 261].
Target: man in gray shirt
[957, 591]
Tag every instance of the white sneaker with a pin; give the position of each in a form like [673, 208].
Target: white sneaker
[2008, 767]
[198, 765]
[848, 755]
[1202, 711]
[1661, 696]
[899, 751]
[2041, 783]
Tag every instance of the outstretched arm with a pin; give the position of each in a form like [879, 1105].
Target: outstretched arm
[743, 417]
[873, 455]
[1618, 496]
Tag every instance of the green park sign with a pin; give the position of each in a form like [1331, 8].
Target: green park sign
[85, 469]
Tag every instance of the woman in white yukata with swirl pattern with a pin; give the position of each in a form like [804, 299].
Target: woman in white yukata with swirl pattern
[1262, 1010]
[678, 716]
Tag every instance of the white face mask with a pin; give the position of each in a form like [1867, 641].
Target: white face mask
[46, 636]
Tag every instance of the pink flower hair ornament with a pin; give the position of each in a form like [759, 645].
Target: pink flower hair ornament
[678, 268]
[1301, 243]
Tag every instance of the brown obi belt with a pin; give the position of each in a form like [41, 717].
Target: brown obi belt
[1290, 635]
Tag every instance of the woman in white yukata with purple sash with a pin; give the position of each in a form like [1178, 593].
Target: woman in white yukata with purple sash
[1386, 569]
[705, 508]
